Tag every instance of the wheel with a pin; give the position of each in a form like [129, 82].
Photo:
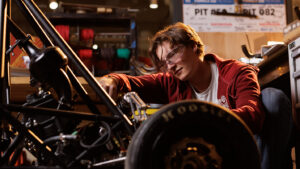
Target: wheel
[193, 135]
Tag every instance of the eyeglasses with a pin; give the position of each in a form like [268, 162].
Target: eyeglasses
[171, 58]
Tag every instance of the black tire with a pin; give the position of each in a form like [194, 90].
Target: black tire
[193, 134]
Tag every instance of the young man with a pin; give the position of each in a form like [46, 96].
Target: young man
[187, 73]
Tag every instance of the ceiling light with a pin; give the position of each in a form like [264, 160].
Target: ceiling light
[53, 4]
[95, 46]
[153, 4]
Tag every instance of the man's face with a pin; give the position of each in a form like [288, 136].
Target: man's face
[180, 60]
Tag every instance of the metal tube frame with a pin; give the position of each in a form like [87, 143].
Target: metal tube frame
[3, 43]
[41, 19]
[49, 36]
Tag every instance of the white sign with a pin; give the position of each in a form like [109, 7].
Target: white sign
[201, 15]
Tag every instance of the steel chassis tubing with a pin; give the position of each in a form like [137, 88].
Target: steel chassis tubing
[41, 20]
[47, 33]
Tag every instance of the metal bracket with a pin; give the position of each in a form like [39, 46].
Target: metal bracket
[136, 103]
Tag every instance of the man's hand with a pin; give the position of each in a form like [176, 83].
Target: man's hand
[110, 85]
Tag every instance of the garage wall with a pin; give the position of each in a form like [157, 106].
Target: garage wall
[228, 45]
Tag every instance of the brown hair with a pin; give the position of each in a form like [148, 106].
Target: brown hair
[176, 34]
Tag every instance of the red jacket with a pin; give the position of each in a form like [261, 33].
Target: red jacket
[238, 88]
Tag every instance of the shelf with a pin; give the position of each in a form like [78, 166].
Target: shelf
[109, 31]
[90, 19]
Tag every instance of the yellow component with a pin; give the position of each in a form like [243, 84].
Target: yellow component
[148, 112]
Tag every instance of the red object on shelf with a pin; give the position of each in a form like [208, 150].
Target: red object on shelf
[86, 34]
[146, 60]
[85, 53]
[64, 31]
[102, 64]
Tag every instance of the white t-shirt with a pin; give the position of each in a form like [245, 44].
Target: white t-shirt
[210, 94]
